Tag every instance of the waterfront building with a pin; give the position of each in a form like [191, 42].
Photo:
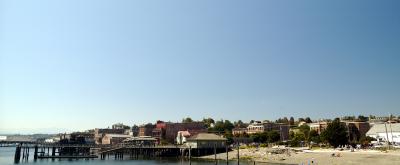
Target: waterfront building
[172, 129]
[385, 132]
[256, 127]
[182, 136]
[159, 130]
[146, 130]
[206, 140]
[100, 133]
[318, 126]
[141, 141]
[3, 138]
[114, 138]
[239, 131]
[83, 137]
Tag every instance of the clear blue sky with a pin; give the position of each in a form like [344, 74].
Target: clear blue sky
[82, 64]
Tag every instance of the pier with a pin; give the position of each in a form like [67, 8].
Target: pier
[91, 151]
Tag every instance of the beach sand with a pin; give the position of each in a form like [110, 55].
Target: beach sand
[320, 157]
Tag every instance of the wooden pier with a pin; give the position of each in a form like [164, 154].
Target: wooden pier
[90, 151]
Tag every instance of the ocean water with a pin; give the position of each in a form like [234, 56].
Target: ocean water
[7, 158]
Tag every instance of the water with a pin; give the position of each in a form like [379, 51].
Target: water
[7, 158]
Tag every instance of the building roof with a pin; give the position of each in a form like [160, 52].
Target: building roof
[206, 136]
[140, 138]
[118, 136]
[184, 133]
[380, 128]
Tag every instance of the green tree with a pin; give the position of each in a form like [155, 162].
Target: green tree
[305, 130]
[228, 126]
[308, 120]
[239, 124]
[362, 118]
[208, 122]
[335, 134]
[314, 137]
[273, 136]
[291, 121]
[296, 139]
[187, 120]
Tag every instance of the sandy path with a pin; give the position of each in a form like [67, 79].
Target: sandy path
[320, 157]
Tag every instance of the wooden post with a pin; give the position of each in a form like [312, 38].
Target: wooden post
[227, 154]
[238, 155]
[53, 153]
[17, 154]
[215, 153]
[35, 154]
[190, 156]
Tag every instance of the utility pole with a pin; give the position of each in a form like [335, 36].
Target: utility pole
[387, 137]
[390, 125]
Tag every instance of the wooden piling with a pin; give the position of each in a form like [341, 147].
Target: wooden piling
[190, 155]
[17, 156]
[227, 154]
[215, 153]
[238, 154]
[35, 155]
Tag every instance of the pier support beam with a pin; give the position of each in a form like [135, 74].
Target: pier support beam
[35, 155]
[17, 156]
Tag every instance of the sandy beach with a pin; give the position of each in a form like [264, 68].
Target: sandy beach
[320, 156]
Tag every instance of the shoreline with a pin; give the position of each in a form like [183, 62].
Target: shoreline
[318, 156]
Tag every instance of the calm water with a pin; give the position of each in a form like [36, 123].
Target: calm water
[7, 158]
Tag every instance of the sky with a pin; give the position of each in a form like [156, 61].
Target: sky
[76, 65]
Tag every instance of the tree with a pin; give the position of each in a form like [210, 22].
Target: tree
[335, 134]
[291, 121]
[135, 130]
[208, 122]
[362, 118]
[305, 130]
[349, 118]
[273, 136]
[296, 139]
[301, 119]
[239, 124]
[285, 120]
[314, 137]
[228, 126]
[187, 120]
[308, 120]
[222, 126]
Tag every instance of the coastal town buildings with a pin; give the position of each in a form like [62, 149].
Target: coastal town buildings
[259, 127]
[239, 131]
[114, 138]
[172, 129]
[100, 133]
[146, 130]
[142, 141]
[318, 126]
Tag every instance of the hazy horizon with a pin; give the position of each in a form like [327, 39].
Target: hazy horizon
[77, 65]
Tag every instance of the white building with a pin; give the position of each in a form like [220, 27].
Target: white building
[382, 133]
[3, 138]
[181, 137]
